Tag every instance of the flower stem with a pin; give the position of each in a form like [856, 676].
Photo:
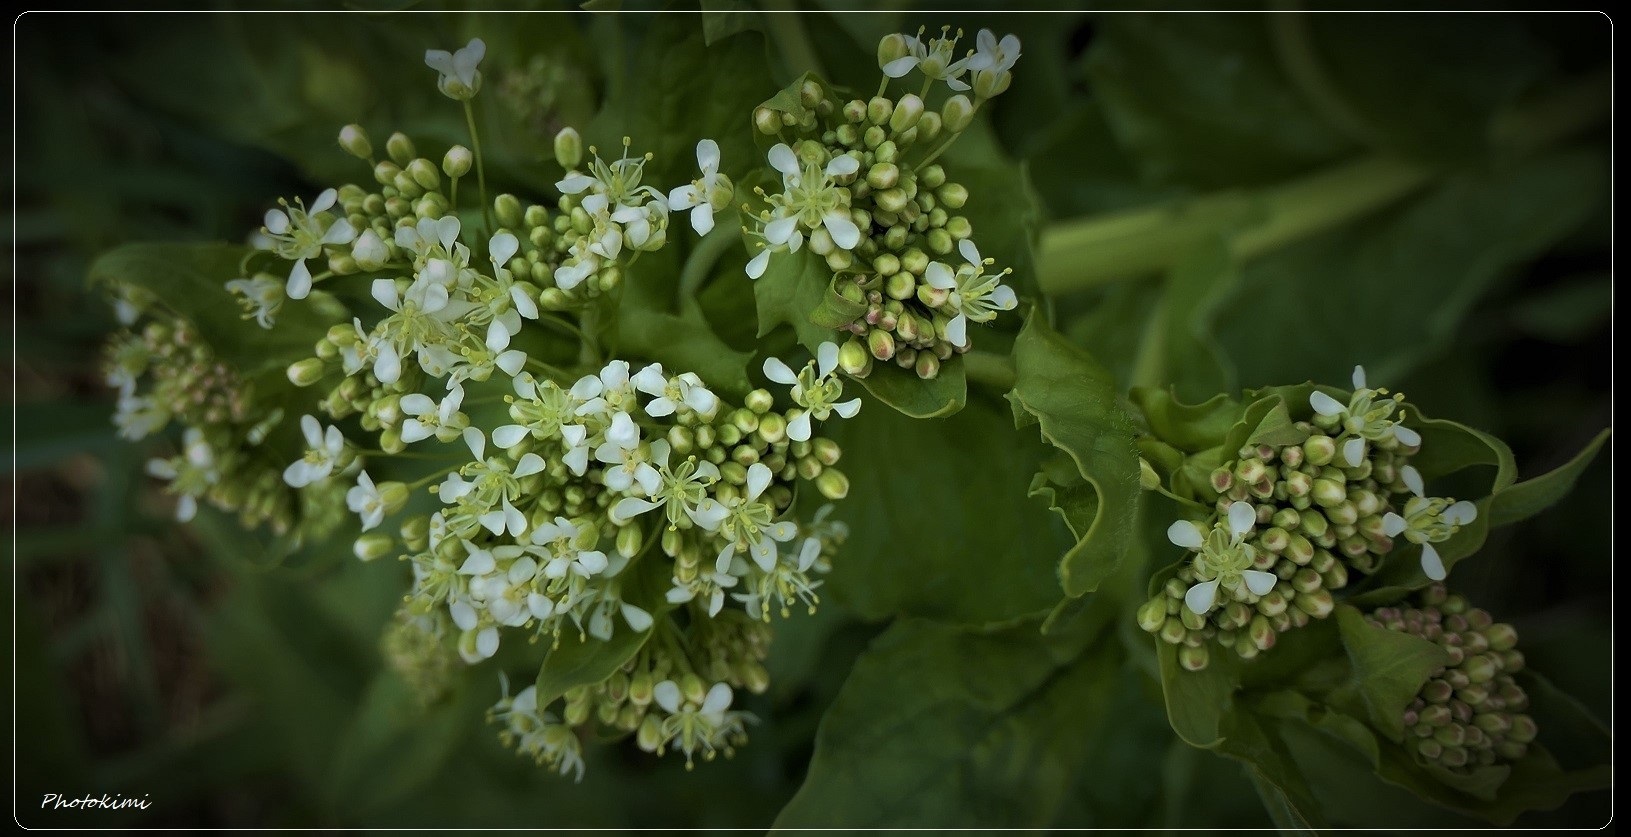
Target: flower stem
[787, 30]
[481, 169]
[989, 369]
[699, 266]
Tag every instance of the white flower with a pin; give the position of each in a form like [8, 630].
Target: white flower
[747, 523]
[607, 395]
[323, 449]
[816, 387]
[426, 418]
[298, 233]
[1225, 558]
[973, 294]
[811, 199]
[1426, 521]
[993, 55]
[560, 540]
[682, 491]
[705, 195]
[629, 459]
[1367, 417]
[262, 298]
[933, 58]
[366, 501]
[370, 251]
[682, 390]
[459, 77]
[691, 726]
[712, 584]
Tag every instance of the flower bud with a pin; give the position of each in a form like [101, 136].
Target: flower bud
[457, 161]
[568, 148]
[415, 533]
[878, 110]
[1194, 657]
[1319, 450]
[424, 173]
[355, 142]
[881, 343]
[1317, 604]
[306, 372]
[400, 148]
[892, 47]
[927, 366]
[928, 127]
[908, 112]
[767, 121]
[773, 427]
[832, 484]
[372, 546]
[854, 358]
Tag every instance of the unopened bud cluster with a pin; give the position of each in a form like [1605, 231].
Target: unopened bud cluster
[1294, 524]
[1471, 713]
[859, 184]
[417, 648]
[166, 373]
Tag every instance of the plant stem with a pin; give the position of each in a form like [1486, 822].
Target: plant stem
[699, 266]
[481, 169]
[989, 369]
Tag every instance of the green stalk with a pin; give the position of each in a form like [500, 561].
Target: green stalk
[990, 370]
[787, 30]
[481, 170]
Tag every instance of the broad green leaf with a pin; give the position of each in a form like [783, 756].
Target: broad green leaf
[952, 727]
[1532, 496]
[1267, 421]
[684, 344]
[1189, 357]
[1389, 667]
[793, 286]
[903, 390]
[1448, 447]
[1076, 404]
[1189, 427]
[393, 746]
[581, 661]
[939, 522]
[1197, 701]
[1278, 779]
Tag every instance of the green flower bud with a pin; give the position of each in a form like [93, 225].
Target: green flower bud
[390, 441]
[832, 484]
[767, 121]
[372, 546]
[878, 110]
[883, 176]
[1153, 614]
[1194, 658]
[355, 142]
[881, 343]
[900, 286]
[892, 47]
[400, 148]
[306, 372]
[456, 162]
[507, 209]
[1501, 637]
[629, 540]
[415, 533]
[927, 366]
[1523, 729]
[928, 127]
[773, 427]
[1329, 492]
[908, 112]
[1319, 450]
[568, 148]
[811, 94]
[1317, 603]
[424, 174]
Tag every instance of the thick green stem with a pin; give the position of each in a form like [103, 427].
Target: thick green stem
[700, 265]
[991, 370]
[481, 169]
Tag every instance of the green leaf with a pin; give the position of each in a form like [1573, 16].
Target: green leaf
[585, 661]
[1448, 447]
[683, 343]
[1189, 427]
[835, 311]
[793, 286]
[191, 280]
[1389, 667]
[393, 746]
[1075, 401]
[1532, 496]
[978, 551]
[903, 390]
[1267, 421]
[947, 727]
[1197, 701]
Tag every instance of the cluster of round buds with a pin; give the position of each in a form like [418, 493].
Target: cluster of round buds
[859, 185]
[1471, 712]
[165, 373]
[417, 648]
[1293, 523]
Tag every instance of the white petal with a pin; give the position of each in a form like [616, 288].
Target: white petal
[707, 155]
[502, 247]
[781, 229]
[1242, 517]
[1185, 534]
[1359, 377]
[498, 338]
[639, 620]
[799, 428]
[540, 605]
[702, 218]
[957, 330]
[667, 695]
[1432, 564]
[826, 358]
[312, 430]
[413, 430]
[508, 435]
[783, 159]
[1461, 513]
[660, 407]
[511, 361]
[900, 66]
[1003, 298]
[1412, 480]
[1200, 598]
[630, 507]
[384, 291]
[1393, 525]
[487, 642]
[530, 464]
[718, 699]
[463, 614]
[709, 514]
[808, 553]
[299, 286]
[186, 508]
[939, 277]
[970, 252]
[779, 372]
[494, 521]
[1259, 582]
[1324, 404]
[593, 562]
[325, 199]
[722, 564]
[388, 366]
[277, 221]
[476, 442]
[574, 183]
[759, 477]
[849, 408]
[1406, 436]
[843, 230]
[1353, 451]
[758, 264]
[843, 165]
[339, 232]
[480, 562]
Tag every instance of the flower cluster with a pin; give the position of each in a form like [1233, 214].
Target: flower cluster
[458, 350]
[1471, 712]
[1293, 522]
[858, 184]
